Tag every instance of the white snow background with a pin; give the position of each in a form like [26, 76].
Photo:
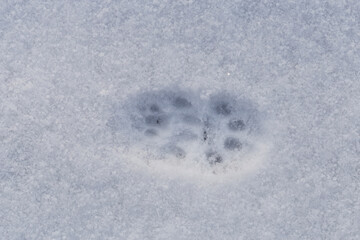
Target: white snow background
[65, 65]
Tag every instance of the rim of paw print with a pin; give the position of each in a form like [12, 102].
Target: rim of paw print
[185, 133]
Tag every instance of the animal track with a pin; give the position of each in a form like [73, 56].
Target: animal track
[222, 108]
[236, 125]
[204, 132]
[181, 102]
[156, 120]
[213, 157]
[232, 144]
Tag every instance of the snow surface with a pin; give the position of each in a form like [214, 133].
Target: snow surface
[73, 75]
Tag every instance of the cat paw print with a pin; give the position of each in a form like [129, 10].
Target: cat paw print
[211, 134]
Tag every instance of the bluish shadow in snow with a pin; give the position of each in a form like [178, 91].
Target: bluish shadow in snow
[211, 134]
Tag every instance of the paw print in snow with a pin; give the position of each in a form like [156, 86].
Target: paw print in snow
[212, 134]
